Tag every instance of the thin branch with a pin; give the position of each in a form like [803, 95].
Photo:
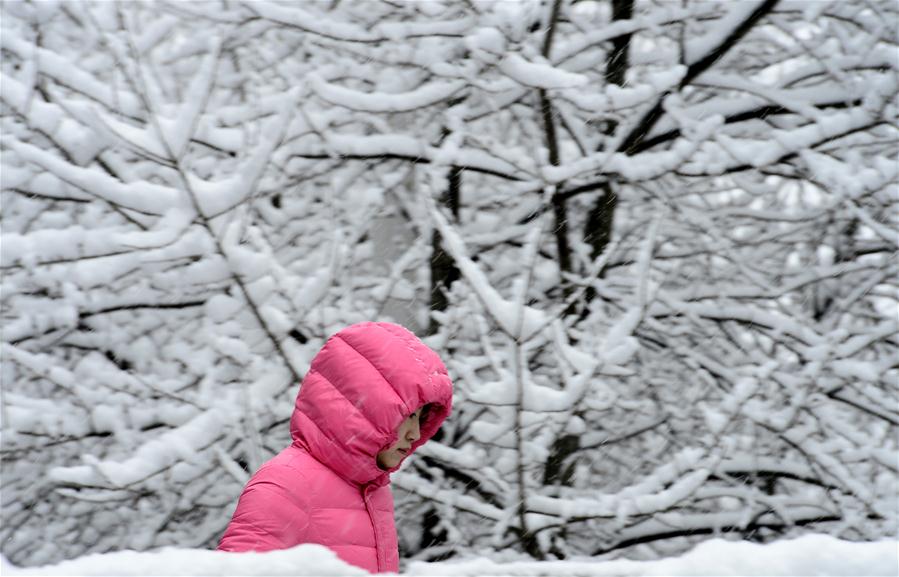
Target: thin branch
[643, 127]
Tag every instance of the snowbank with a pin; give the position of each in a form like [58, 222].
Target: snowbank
[808, 555]
[303, 560]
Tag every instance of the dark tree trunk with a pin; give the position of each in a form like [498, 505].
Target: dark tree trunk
[431, 535]
[619, 59]
[598, 230]
[560, 211]
[554, 472]
[443, 269]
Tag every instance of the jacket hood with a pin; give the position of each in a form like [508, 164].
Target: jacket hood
[363, 383]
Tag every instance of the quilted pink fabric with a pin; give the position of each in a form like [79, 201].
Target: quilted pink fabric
[326, 487]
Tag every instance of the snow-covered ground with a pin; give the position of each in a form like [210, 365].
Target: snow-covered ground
[807, 555]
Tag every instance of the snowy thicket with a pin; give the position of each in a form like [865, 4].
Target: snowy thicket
[655, 242]
[807, 555]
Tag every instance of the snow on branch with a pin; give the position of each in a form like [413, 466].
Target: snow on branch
[179, 445]
[313, 23]
[518, 320]
[70, 75]
[142, 196]
[421, 97]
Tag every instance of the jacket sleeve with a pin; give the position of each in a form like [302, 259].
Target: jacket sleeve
[271, 513]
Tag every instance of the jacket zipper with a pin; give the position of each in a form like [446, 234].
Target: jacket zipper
[374, 525]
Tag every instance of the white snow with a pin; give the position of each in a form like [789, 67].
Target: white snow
[397, 31]
[857, 370]
[423, 96]
[644, 166]
[697, 48]
[294, 15]
[516, 319]
[488, 39]
[176, 445]
[807, 555]
[178, 134]
[303, 560]
[75, 139]
[71, 75]
[539, 75]
[143, 196]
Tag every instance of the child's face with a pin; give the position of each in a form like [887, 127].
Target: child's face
[408, 433]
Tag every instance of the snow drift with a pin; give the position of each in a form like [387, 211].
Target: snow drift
[807, 555]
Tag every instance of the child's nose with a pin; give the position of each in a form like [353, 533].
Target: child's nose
[414, 432]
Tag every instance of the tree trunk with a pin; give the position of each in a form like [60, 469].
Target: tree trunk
[443, 268]
[598, 231]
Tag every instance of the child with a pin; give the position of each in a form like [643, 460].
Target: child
[373, 394]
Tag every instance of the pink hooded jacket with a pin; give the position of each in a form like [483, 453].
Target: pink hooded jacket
[326, 487]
